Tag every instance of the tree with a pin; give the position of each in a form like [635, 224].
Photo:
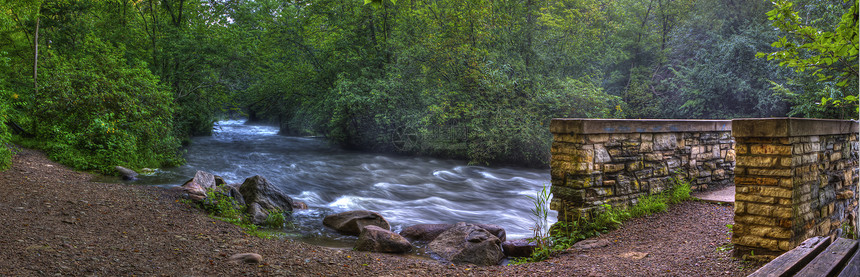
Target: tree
[831, 56]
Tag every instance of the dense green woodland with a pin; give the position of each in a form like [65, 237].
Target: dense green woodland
[97, 83]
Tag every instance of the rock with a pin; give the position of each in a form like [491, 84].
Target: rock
[127, 174]
[376, 239]
[424, 232]
[299, 205]
[219, 181]
[197, 186]
[429, 232]
[467, 243]
[634, 255]
[519, 248]
[847, 194]
[147, 171]
[351, 223]
[257, 213]
[248, 258]
[258, 190]
[232, 192]
[590, 244]
[494, 229]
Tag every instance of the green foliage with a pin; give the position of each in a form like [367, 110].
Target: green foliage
[831, 56]
[94, 111]
[6, 98]
[221, 205]
[476, 80]
[649, 205]
[680, 191]
[848, 230]
[540, 214]
[275, 219]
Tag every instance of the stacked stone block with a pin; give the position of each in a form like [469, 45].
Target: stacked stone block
[596, 162]
[795, 178]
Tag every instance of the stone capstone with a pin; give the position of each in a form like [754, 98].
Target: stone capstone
[351, 222]
[468, 243]
[376, 239]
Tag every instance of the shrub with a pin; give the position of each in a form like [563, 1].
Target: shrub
[5, 108]
[95, 111]
[222, 205]
[275, 219]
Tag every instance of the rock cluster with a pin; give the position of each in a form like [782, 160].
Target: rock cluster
[258, 195]
[372, 229]
[468, 243]
[479, 244]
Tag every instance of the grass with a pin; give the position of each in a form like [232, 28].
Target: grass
[564, 234]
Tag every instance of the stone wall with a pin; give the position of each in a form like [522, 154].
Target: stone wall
[795, 178]
[616, 161]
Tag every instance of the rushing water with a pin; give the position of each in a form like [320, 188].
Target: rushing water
[404, 190]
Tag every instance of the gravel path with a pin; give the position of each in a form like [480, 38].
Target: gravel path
[55, 222]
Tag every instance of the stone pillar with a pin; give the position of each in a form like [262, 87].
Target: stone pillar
[795, 178]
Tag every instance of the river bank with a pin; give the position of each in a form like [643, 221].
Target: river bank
[57, 222]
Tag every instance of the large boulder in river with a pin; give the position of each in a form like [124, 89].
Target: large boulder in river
[197, 186]
[424, 232]
[351, 222]
[468, 243]
[376, 239]
[258, 190]
[429, 232]
[127, 174]
[257, 213]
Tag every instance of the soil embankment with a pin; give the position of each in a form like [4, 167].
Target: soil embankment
[57, 222]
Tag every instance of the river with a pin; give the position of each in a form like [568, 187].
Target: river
[405, 190]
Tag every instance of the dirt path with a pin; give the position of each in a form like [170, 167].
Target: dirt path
[55, 222]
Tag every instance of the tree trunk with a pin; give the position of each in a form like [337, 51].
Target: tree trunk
[36, 59]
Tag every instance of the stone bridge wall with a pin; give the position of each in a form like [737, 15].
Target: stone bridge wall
[615, 161]
[795, 178]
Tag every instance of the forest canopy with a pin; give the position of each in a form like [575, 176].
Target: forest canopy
[99, 83]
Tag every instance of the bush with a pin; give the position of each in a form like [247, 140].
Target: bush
[222, 205]
[275, 219]
[5, 108]
[95, 111]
